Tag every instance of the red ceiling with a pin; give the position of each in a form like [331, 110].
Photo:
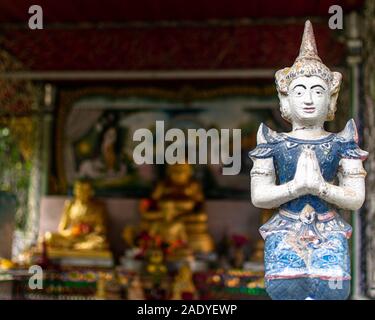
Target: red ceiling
[261, 46]
[67, 46]
[62, 11]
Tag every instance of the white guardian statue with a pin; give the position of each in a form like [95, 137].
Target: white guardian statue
[307, 175]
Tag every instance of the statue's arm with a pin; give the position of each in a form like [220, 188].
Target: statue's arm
[65, 220]
[265, 193]
[350, 193]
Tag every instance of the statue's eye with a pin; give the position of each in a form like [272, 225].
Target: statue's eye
[299, 92]
[319, 93]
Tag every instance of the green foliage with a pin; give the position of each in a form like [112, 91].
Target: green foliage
[14, 172]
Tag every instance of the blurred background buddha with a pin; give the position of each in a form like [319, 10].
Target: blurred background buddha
[83, 222]
[171, 233]
[180, 188]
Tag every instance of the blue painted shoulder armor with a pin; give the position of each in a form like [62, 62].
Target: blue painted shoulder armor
[266, 141]
[349, 142]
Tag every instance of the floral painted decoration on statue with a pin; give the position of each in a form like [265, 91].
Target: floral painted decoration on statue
[306, 240]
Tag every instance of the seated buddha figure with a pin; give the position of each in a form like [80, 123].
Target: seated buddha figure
[187, 196]
[170, 232]
[83, 223]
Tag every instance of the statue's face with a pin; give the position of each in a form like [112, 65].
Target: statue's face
[308, 100]
[180, 173]
[83, 191]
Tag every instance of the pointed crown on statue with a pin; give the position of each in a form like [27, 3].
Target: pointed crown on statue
[307, 64]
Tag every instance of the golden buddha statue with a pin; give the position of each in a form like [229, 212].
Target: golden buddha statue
[183, 284]
[171, 232]
[82, 228]
[187, 196]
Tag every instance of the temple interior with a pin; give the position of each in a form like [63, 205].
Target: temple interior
[83, 80]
